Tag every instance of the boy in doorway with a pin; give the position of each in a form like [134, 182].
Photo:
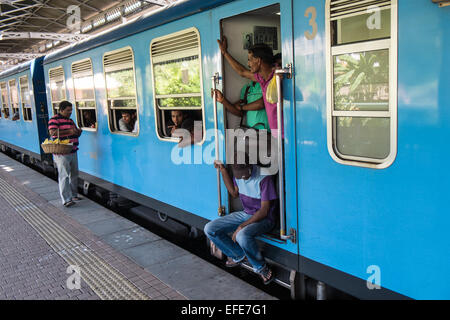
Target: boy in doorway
[258, 194]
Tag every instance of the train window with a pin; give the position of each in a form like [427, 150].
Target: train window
[121, 91]
[177, 78]
[84, 93]
[57, 87]
[25, 98]
[5, 100]
[362, 81]
[14, 99]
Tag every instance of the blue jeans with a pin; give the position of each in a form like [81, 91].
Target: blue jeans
[67, 165]
[245, 246]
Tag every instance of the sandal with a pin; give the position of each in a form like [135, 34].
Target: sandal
[266, 275]
[69, 204]
[231, 263]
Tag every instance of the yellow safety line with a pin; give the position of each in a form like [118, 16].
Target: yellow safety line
[103, 279]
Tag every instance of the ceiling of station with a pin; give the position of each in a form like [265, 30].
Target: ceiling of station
[62, 17]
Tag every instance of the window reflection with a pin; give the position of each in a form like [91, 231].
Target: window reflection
[363, 137]
[361, 81]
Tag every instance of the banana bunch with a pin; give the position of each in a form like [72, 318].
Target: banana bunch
[57, 141]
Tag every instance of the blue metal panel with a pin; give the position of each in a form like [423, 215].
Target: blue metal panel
[351, 218]
[40, 99]
[21, 133]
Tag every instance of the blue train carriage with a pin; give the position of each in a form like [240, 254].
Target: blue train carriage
[343, 142]
[128, 69]
[23, 114]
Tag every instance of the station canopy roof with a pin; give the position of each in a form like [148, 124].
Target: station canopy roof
[41, 26]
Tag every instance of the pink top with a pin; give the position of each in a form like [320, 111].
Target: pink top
[58, 121]
[271, 108]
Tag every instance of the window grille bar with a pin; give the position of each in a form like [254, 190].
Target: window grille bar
[118, 60]
[174, 44]
[346, 9]
[82, 68]
[56, 73]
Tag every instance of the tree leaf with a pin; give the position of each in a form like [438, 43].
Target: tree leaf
[357, 81]
[344, 78]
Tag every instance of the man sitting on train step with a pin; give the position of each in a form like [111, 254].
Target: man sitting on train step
[258, 194]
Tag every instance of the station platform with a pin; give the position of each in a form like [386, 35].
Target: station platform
[44, 246]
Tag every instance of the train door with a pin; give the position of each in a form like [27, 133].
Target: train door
[244, 25]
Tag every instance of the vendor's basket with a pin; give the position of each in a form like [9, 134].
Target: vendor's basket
[57, 148]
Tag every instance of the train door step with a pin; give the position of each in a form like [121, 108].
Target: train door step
[282, 275]
[273, 236]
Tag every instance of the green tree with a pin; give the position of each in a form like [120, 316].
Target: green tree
[358, 78]
[178, 77]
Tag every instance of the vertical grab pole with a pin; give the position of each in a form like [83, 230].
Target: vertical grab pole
[215, 82]
[279, 74]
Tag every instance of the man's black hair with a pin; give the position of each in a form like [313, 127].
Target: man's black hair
[241, 159]
[64, 104]
[240, 168]
[188, 124]
[276, 57]
[183, 112]
[262, 51]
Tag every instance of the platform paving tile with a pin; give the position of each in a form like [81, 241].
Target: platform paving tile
[154, 252]
[110, 225]
[29, 268]
[51, 196]
[25, 172]
[15, 168]
[130, 238]
[7, 162]
[86, 218]
[46, 189]
[79, 207]
[176, 271]
[33, 184]
[26, 175]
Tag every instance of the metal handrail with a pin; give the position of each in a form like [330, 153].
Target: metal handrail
[215, 81]
[279, 74]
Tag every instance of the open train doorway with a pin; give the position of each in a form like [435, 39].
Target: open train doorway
[244, 29]
[242, 32]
